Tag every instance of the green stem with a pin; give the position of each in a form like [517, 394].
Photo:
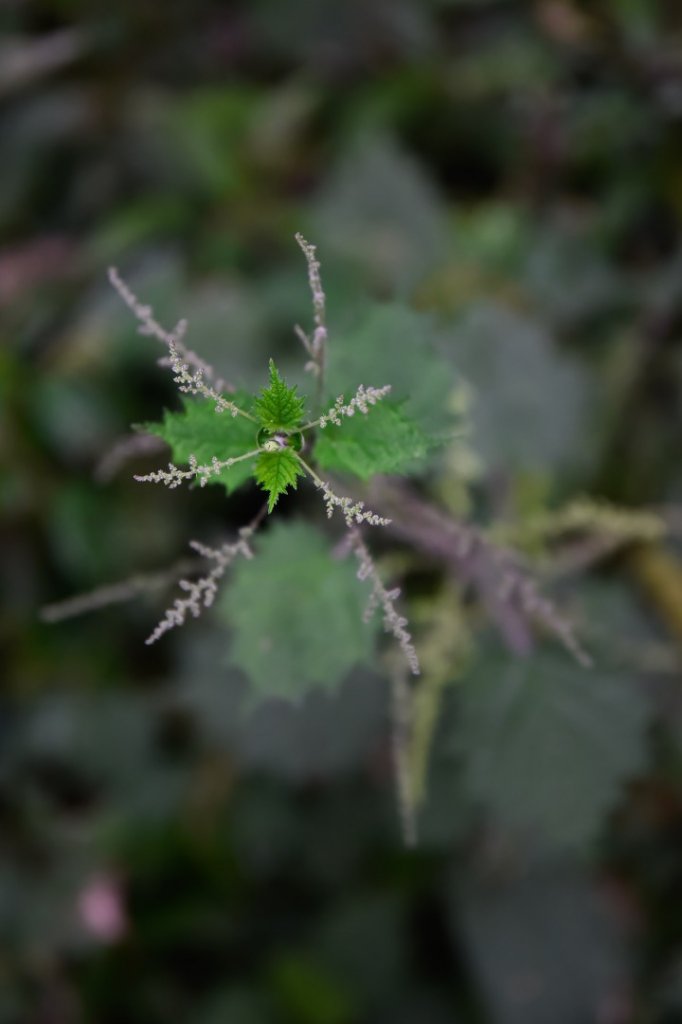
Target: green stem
[240, 458]
[319, 390]
[242, 412]
[310, 471]
[308, 426]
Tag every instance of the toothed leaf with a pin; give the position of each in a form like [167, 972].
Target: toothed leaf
[199, 430]
[383, 441]
[547, 746]
[278, 407]
[276, 472]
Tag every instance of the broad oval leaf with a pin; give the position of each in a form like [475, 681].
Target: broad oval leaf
[296, 614]
[547, 745]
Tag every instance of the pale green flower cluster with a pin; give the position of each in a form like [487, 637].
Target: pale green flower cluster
[380, 597]
[200, 594]
[194, 383]
[354, 513]
[361, 401]
[174, 476]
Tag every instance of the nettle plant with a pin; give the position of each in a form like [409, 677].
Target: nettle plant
[268, 438]
[290, 577]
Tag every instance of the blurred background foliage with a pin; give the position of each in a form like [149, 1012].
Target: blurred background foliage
[495, 187]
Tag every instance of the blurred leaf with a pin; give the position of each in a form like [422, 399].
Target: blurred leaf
[106, 333]
[531, 404]
[543, 947]
[236, 1006]
[194, 140]
[278, 127]
[326, 735]
[78, 421]
[201, 431]
[33, 130]
[503, 64]
[329, 36]
[658, 572]
[14, 1005]
[308, 994]
[618, 628]
[24, 61]
[668, 998]
[380, 212]
[495, 235]
[266, 831]
[91, 540]
[38, 908]
[547, 745]
[363, 942]
[638, 20]
[569, 278]
[228, 326]
[296, 614]
[142, 222]
[393, 344]
[383, 441]
[88, 731]
[227, 321]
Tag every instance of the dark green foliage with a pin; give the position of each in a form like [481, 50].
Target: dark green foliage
[549, 924]
[494, 189]
[533, 409]
[587, 731]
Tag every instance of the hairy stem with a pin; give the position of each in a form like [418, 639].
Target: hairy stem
[309, 470]
[316, 344]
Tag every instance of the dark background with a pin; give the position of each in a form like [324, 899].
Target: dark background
[512, 169]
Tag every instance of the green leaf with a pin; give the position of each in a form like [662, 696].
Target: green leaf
[200, 430]
[550, 924]
[534, 407]
[296, 614]
[383, 441]
[548, 746]
[393, 344]
[276, 472]
[278, 407]
[325, 735]
[308, 992]
[380, 213]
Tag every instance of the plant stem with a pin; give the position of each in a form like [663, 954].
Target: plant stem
[242, 412]
[310, 471]
[240, 458]
[317, 344]
[308, 426]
